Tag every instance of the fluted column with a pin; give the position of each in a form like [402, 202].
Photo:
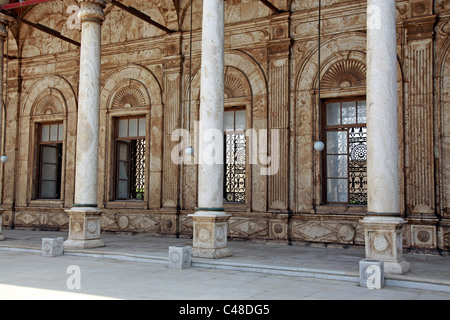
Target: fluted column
[210, 221]
[383, 223]
[84, 217]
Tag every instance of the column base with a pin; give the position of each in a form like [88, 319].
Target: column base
[84, 228]
[399, 267]
[210, 235]
[83, 244]
[383, 241]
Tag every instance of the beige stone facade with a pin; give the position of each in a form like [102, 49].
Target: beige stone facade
[271, 72]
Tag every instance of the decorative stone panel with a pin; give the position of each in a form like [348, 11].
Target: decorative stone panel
[343, 74]
[327, 230]
[423, 237]
[46, 218]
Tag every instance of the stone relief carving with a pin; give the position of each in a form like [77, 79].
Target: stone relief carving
[345, 73]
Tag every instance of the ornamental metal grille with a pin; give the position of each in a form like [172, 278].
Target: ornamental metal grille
[235, 159]
[138, 166]
[345, 156]
[358, 165]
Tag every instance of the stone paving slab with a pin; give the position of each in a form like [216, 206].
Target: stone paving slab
[431, 272]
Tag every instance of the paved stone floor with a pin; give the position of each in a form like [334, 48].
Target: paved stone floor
[136, 267]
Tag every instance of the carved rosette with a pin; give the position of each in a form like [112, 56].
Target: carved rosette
[92, 10]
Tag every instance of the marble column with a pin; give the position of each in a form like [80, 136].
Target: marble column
[383, 223]
[4, 19]
[210, 224]
[84, 217]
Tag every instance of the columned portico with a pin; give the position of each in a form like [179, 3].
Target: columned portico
[84, 217]
[383, 223]
[210, 221]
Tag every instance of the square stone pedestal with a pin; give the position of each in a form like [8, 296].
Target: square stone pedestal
[52, 247]
[84, 228]
[180, 257]
[383, 241]
[210, 234]
[371, 274]
[2, 237]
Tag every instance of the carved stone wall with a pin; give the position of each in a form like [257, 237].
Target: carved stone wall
[271, 71]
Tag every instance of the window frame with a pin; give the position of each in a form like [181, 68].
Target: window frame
[235, 109]
[59, 144]
[325, 128]
[116, 141]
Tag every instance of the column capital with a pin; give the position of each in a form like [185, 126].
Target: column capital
[420, 28]
[92, 10]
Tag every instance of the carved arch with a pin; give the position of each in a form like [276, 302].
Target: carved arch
[132, 80]
[245, 78]
[52, 89]
[49, 99]
[334, 52]
[49, 102]
[252, 76]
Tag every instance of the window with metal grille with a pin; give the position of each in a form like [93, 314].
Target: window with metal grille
[345, 154]
[235, 156]
[130, 158]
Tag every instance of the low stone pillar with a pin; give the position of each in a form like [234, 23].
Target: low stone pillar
[84, 228]
[371, 274]
[52, 247]
[2, 237]
[180, 257]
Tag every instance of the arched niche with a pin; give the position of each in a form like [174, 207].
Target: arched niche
[245, 85]
[51, 99]
[342, 74]
[131, 90]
